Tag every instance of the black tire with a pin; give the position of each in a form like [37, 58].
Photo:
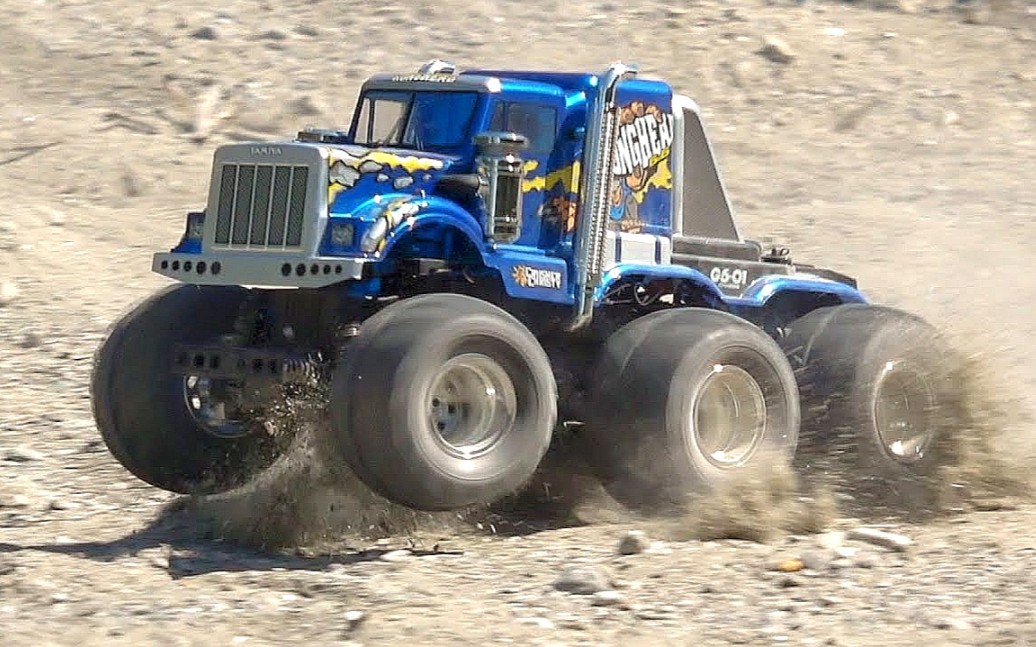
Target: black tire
[140, 407]
[647, 385]
[381, 394]
[845, 356]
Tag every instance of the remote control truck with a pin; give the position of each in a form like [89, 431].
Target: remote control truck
[481, 258]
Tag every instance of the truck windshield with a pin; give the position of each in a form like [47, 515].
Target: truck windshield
[419, 120]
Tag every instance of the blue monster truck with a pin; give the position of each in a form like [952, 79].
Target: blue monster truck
[482, 256]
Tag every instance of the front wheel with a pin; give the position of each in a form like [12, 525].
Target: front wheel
[185, 434]
[443, 401]
[684, 401]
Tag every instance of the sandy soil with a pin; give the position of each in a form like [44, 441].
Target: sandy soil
[898, 145]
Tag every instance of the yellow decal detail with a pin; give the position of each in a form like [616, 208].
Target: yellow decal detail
[662, 179]
[568, 176]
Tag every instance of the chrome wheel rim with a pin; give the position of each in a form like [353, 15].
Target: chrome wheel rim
[212, 408]
[728, 416]
[903, 410]
[472, 403]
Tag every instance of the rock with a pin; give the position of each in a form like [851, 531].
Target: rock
[8, 293]
[354, 619]
[131, 186]
[56, 218]
[832, 540]
[23, 455]
[840, 564]
[583, 581]
[305, 106]
[8, 500]
[865, 560]
[396, 555]
[633, 542]
[208, 32]
[536, 621]
[31, 339]
[607, 598]
[959, 624]
[889, 540]
[789, 582]
[273, 34]
[902, 6]
[974, 13]
[791, 566]
[815, 560]
[777, 50]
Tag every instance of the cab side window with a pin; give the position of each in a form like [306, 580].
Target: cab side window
[537, 122]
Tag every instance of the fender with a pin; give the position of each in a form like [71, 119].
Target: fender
[759, 294]
[398, 214]
[525, 273]
[624, 270]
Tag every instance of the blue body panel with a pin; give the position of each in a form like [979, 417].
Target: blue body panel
[385, 184]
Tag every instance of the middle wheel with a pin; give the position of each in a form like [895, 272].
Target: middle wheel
[443, 401]
[684, 399]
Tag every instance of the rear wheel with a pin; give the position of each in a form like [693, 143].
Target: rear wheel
[683, 401]
[880, 398]
[443, 401]
[185, 434]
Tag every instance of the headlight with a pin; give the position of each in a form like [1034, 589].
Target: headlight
[195, 226]
[342, 234]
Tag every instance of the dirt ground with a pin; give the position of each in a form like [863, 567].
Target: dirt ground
[896, 142]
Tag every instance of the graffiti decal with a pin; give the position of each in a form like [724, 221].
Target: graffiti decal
[347, 167]
[643, 145]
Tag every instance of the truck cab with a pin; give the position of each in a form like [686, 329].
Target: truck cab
[566, 187]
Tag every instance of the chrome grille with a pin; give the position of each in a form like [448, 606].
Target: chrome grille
[261, 205]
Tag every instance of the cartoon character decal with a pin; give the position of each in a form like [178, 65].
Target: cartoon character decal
[351, 166]
[643, 177]
[561, 194]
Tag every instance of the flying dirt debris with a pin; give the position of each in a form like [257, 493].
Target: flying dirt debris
[487, 262]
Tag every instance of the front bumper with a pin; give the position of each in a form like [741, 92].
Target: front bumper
[258, 269]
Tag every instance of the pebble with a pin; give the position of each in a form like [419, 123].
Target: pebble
[61, 504]
[582, 581]
[8, 293]
[23, 455]
[889, 540]
[815, 560]
[832, 540]
[274, 34]
[633, 542]
[354, 618]
[608, 598]
[865, 560]
[776, 49]
[14, 501]
[30, 339]
[208, 32]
